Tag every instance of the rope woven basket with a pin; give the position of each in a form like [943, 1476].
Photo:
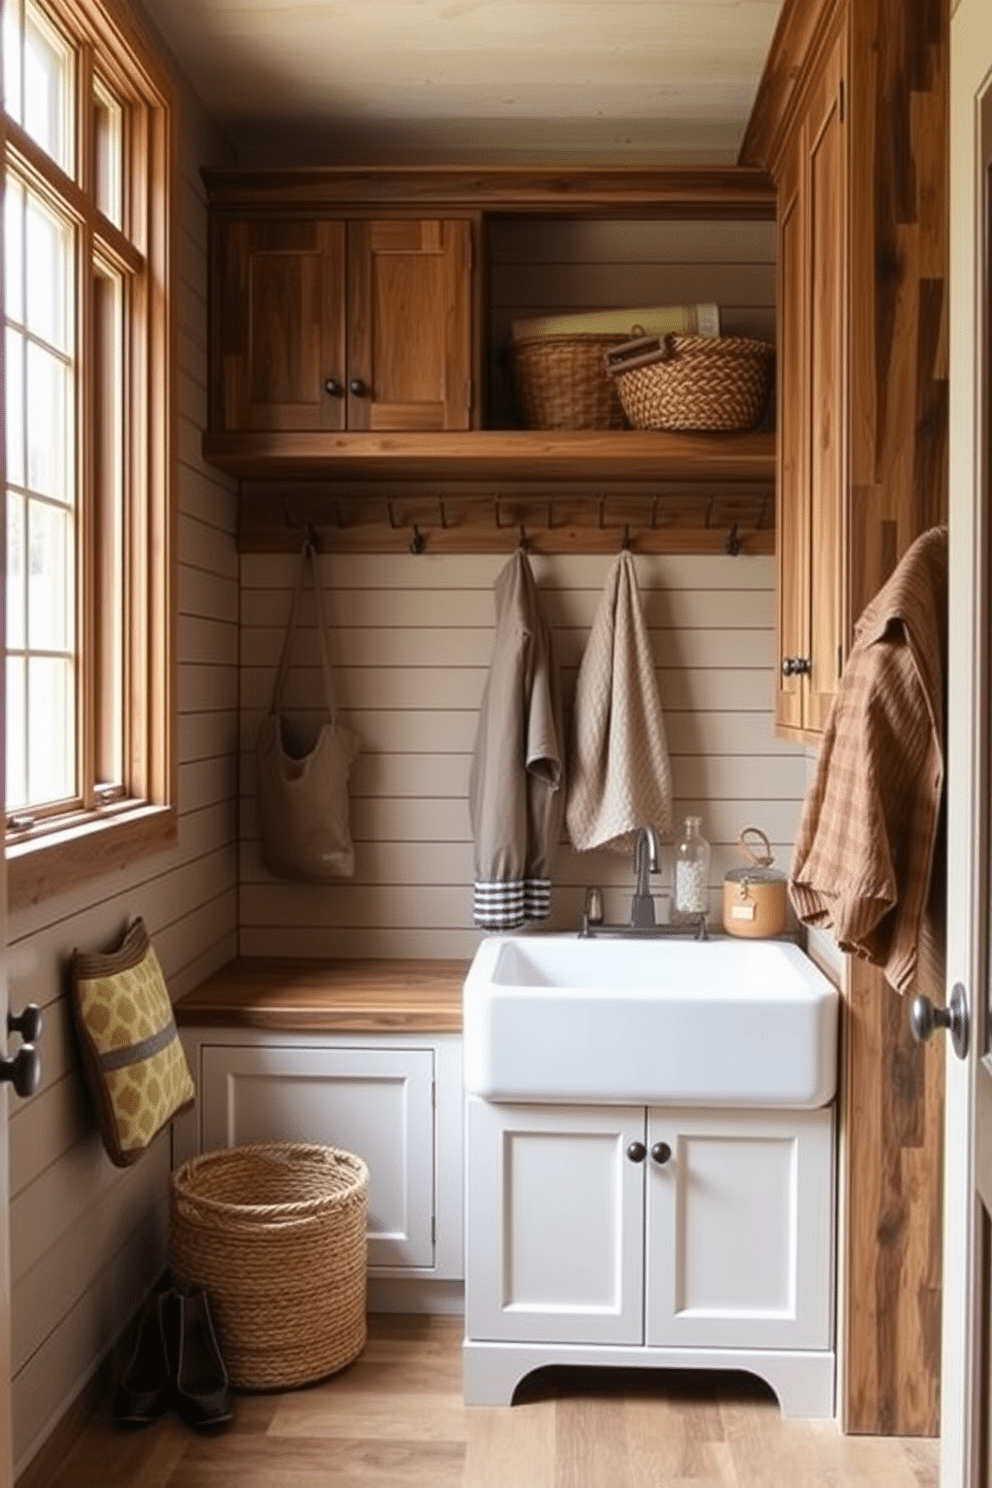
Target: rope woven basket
[275, 1235]
[560, 382]
[699, 382]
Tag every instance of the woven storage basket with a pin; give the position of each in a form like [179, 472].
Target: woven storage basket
[704, 382]
[560, 382]
[275, 1234]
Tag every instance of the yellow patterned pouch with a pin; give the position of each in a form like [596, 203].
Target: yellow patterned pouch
[134, 1062]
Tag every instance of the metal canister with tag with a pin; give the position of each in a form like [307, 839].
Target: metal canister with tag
[754, 897]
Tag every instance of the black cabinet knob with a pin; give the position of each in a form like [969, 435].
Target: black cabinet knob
[27, 1023]
[333, 387]
[23, 1071]
[660, 1152]
[637, 1152]
[357, 387]
[796, 666]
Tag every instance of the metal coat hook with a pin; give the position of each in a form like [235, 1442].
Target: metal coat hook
[389, 512]
[602, 512]
[625, 544]
[417, 541]
[497, 513]
[522, 539]
[443, 510]
[733, 542]
[312, 538]
[709, 513]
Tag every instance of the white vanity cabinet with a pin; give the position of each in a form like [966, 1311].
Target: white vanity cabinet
[632, 1235]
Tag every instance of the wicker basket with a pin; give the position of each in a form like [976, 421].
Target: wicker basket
[275, 1234]
[560, 382]
[702, 382]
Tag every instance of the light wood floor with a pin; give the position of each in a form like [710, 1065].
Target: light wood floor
[395, 1418]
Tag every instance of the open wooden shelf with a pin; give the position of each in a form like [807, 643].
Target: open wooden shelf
[497, 455]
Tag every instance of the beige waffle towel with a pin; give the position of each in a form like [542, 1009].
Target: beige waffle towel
[619, 774]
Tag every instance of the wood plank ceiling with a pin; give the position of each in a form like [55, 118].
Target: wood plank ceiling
[302, 81]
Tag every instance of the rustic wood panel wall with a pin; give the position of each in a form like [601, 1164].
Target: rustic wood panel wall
[892, 1096]
[88, 1239]
[899, 112]
[412, 640]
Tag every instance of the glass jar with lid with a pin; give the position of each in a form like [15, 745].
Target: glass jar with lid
[691, 888]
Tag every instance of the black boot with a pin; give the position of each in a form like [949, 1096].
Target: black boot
[145, 1389]
[203, 1387]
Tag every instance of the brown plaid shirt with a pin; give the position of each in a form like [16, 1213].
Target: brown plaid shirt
[865, 849]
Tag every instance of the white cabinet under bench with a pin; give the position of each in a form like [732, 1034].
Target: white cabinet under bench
[362, 1055]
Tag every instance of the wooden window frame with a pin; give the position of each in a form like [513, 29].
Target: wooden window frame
[59, 852]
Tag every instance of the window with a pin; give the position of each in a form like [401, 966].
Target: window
[89, 776]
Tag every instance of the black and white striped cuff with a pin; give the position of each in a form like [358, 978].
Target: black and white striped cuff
[505, 905]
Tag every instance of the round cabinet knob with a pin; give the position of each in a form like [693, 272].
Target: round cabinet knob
[661, 1152]
[637, 1152]
[925, 1019]
[23, 1071]
[796, 666]
[357, 388]
[333, 387]
[27, 1023]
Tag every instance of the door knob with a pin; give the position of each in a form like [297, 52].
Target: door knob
[357, 387]
[27, 1023]
[637, 1152]
[924, 1019]
[23, 1071]
[661, 1152]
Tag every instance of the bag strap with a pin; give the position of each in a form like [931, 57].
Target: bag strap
[308, 558]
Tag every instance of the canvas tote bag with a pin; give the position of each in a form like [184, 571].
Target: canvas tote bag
[303, 797]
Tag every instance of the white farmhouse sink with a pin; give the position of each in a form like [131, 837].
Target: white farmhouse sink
[713, 1023]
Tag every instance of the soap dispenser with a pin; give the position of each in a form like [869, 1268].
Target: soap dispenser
[691, 891]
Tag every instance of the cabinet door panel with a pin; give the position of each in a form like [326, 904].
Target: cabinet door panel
[376, 1103]
[828, 389]
[280, 325]
[555, 1210]
[409, 321]
[792, 544]
[739, 1230]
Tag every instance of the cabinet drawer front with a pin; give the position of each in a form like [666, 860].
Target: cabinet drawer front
[376, 1103]
[740, 1230]
[554, 1224]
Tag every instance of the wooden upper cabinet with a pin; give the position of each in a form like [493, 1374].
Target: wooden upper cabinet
[336, 325]
[813, 409]
[409, 325]
[278, 325]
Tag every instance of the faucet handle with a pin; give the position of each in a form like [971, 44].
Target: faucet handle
[594, 906]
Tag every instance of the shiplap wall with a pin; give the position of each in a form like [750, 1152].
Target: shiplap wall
[412, 639]
[88, 1239]
[413, 635]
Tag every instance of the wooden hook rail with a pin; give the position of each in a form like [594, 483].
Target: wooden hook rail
[420, 519]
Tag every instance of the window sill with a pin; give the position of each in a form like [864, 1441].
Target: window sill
[51, 862]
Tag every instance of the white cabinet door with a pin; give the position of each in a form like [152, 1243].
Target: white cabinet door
[555, 1224]
[376, 1103]
[739, 1229]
